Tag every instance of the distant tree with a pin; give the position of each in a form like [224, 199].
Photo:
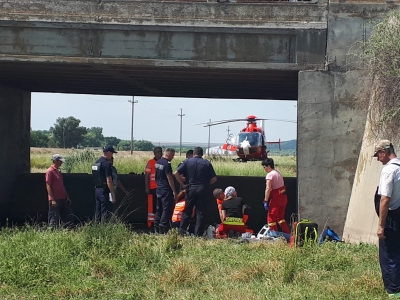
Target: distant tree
[124, 145]
[67, 133]
[93, 137]
[143, 145]
[111, 140]
[40, 138]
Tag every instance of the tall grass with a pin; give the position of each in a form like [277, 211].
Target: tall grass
[112, 262]
[80, 161]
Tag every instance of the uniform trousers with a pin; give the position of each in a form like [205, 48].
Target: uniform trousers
[165, 209]
[103, 204]
[389, 253]
[196, 196]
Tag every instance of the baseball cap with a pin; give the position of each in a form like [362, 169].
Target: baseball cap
[382, 145]
[109, 148]
[58, 157]
[229, 191]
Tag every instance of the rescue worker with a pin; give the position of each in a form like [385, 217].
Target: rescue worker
[275, 199]
[177, 214]
[189, 154]
[166, 192]
[116, 182]
[59, 201]
[232, 212]
[151, 185]
[388, 209]
[200, 173]
[220, 197]
[103, 182]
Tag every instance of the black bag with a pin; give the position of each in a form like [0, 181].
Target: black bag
[305, 232]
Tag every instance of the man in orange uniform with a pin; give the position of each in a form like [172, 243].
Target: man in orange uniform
[219, 196]
[275, 199]
[151, 185]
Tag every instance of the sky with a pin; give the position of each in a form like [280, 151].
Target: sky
[156, 118]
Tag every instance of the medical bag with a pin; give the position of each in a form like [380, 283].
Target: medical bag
[303, 232]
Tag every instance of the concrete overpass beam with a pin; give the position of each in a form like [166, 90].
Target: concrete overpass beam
[330, 131]
[15, 121]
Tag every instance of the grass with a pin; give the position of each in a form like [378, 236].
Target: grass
[112, 262]
[80, 161]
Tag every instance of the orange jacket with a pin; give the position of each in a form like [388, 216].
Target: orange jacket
[151, 169]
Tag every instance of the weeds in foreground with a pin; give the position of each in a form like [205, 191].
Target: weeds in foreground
[112, 262]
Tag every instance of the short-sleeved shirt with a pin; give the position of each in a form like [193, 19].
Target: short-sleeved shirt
[55, 179]
[389, 183]
[276, 179]
[198, 171]
[105, 171]
[163, 167]
[233, 207]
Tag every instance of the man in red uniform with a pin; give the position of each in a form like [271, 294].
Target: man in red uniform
[219, 196]
[275, 199]
[151, 185]
[59, 201]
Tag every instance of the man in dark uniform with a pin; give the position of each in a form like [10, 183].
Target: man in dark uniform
[103, 181]
[200, 173]
[166, 192]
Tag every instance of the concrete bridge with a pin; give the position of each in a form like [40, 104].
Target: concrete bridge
[265, 50]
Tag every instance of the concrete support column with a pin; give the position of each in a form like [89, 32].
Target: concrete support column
[330, 131]
[15, 121]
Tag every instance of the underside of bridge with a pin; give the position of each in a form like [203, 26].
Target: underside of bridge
[147, 80]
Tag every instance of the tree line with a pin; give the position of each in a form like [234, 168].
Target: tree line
[67, 133]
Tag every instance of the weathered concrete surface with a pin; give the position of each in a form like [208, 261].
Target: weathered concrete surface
[161, 48]
[361, 222]
[29, 203]
[15, 124]
[349, 25]
[330, 131]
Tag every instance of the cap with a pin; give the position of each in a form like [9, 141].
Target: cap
[382, 145]
[109, 148]
[58, 157]
[229, 191]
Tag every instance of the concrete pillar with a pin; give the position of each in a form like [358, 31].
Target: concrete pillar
[330, 131]
[362, 222]
[15, 121]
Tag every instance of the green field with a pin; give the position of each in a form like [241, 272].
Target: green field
[80, 161]
[112, 262]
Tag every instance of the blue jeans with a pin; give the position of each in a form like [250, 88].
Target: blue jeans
[60, 215]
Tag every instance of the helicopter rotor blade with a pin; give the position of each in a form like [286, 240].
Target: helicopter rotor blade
[220, 122]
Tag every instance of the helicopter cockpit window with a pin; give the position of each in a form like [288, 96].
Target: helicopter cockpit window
[254, 138]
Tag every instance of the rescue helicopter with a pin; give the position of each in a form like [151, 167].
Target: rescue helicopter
[250, 143]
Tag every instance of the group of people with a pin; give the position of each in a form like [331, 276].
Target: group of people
[194, 175]
[169, 206]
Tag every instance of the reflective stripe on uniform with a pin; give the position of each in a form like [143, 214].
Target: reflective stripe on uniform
[281, 221]
[179, 208]
[272, 224]
[233, 221]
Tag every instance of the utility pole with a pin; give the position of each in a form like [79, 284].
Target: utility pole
[133, 101]
[180, 137]
[209, 135]
[228, 131]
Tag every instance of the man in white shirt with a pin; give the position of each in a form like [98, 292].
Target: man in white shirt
[389, 217]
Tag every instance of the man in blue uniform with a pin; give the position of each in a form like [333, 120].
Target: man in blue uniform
[166, 192]
[200, 173]
[103, 182]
